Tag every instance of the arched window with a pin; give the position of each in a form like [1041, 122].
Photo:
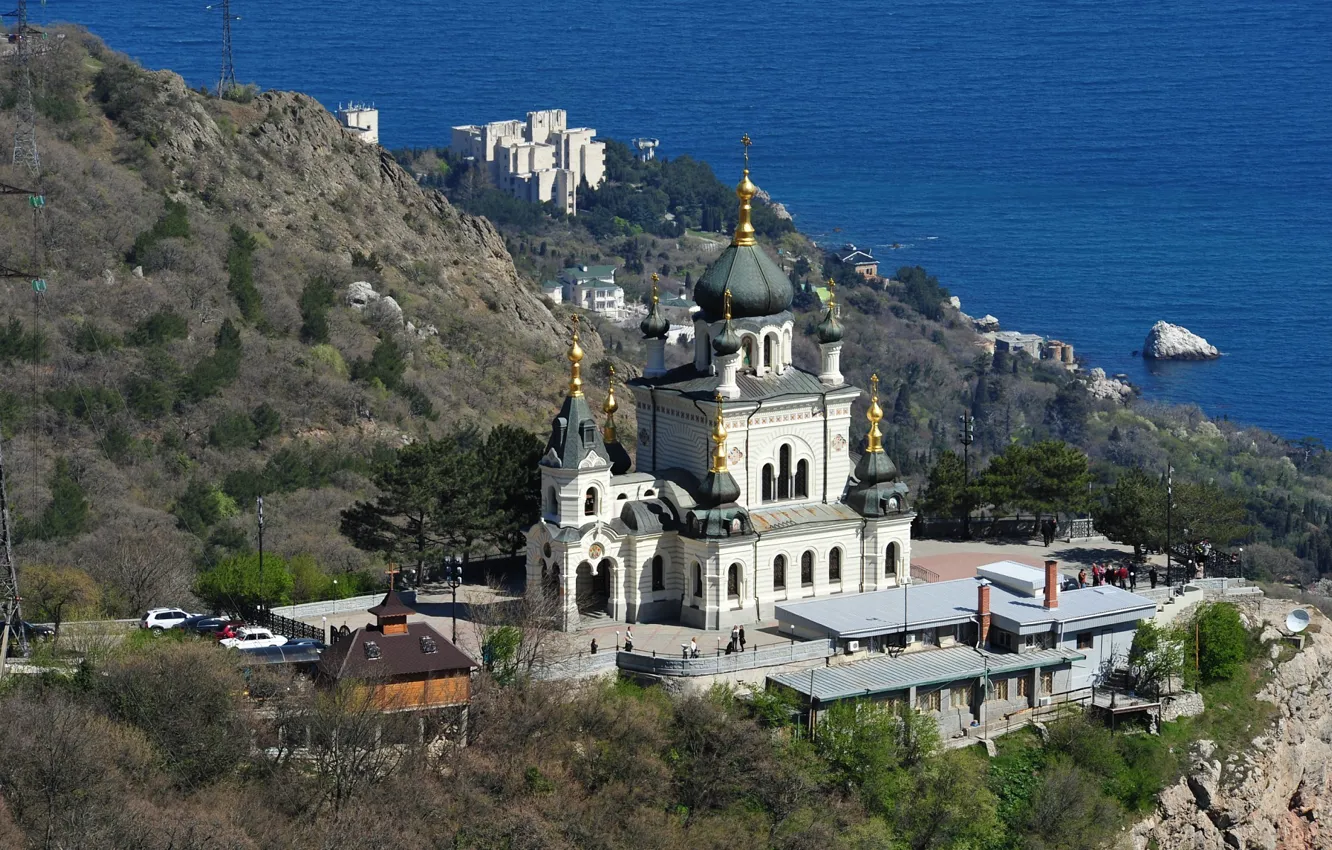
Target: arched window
[658, 573]
[648, 494]
[802, 480]
[698, 579]
[545, 572]
[807, 568]
[769, 482]
[784, 472]
[890, 560]
[622, 497]
[733, 581]
[747, 346]
[590, 502]
[779, 572]
[552, 501]
[555, 575]
[769, 353]
[835, 565]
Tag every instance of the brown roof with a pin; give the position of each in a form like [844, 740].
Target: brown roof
[399, 655]
[392, 606]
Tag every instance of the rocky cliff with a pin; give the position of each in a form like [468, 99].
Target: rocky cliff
[1278, 794]
[1172, 342]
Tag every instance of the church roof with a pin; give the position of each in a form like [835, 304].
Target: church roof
[686, 381]
[758, 285]
[775, 519]
[573, 435]
[392, 606]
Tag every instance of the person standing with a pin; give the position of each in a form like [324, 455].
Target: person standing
[693, 648]
[1133, 576]
[594, 646]
[1151, 576]
[742, 638]
[1082, 578]
[735, 637]
[628, 639]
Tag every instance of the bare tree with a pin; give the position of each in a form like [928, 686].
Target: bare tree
[517, 635]
[353, 743]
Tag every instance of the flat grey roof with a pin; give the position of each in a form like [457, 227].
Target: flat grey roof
[916, 669]
[949, 602]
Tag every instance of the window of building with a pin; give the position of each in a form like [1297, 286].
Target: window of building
[890, 561]
[784, 473]
[769, 482]
[1000, 688]
[931, 701]
[835, 565]
[959, 696]
[590, 502]
[698, 579]
[552, 501]
[1084, 640]
[779, 572]
[1047, 683]
[748, 348]
[807, 569]
[769, 352]
[733, 581]
[802, 480]
[1023, 688]
[658, 573]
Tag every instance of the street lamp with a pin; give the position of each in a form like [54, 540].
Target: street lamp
[453, 577]
[968, 437]
[259, 509]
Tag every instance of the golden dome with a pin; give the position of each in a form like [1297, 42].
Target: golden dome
[719, 438]
[745, 191]
[575, 359]
[610, 405]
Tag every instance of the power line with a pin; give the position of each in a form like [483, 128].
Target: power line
[23, 37]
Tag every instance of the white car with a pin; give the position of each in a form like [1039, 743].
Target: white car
[160, 619]
[253, 637]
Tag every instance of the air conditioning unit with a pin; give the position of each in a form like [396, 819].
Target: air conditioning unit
[1044, 700]
[852, 646]
[910, 639]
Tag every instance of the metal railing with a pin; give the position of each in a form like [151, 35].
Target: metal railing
[287, 627]
[658, 664]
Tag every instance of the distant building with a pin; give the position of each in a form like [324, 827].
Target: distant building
[862, 262]
[554, 290]
[540, 160]
[360, 120]
[593, 288]
[1059, 352]
[1015, 341]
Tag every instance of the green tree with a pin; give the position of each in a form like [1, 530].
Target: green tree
[1045, 478]
[1209, 513]
[947, 493]
[201, 506]
[1156, 656]
[266, 420]
[232, 431]
[158, 329]
[1067, 413]
[51, 592]
[315, 302]
[1131, 512]
[218, 369]
[67, 513]
[235, 583]
[1223, 643]
[510, 458]
[240, 275]
[386, 364]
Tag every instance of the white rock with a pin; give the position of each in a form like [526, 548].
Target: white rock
[1099, 386]
[1208, 430]
[108, 277]
[955, 302]
[1172, 342]
[385, 312]
[427, 331]
[138, 271]
[360, 294]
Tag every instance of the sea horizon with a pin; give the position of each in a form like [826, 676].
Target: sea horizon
[1079, 175]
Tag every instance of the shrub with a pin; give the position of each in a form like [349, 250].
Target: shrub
[91, 339]
[316, 299]
[240, 274]
[87, 404]
[173, 223]
[158, 329]
[236, 583]
[232, 431]
[330, 357]
[16, 343]
[1223, 642]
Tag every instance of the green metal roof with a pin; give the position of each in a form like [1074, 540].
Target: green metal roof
[758, 285]
[592, 273]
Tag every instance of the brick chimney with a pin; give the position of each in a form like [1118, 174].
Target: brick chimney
[983, 610]
[1051, 584]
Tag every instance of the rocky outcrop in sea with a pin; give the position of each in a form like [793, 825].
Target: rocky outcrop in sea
[1173, 342]
[1099, 386]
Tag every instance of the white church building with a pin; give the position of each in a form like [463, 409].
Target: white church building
[743, 492]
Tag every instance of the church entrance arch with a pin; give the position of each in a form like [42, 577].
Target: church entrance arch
[592, 586]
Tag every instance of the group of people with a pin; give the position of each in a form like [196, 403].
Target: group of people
[1048, 531]
[1124, 576]
[737, 643]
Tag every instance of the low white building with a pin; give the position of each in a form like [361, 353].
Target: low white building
[360, 120]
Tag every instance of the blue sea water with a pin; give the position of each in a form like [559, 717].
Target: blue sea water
[1078, 168]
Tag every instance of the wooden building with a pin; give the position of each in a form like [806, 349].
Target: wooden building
[405, 666]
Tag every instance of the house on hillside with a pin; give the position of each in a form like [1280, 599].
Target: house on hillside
[976, 649]
[593, 288]
[862, 262]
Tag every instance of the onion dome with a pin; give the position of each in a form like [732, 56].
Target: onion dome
[619, 456]
[728, 341]
[573, 431]
[875, 467]
[654, 324]
[757, 284]
[575, 363]
[830, 330]
[719, 486]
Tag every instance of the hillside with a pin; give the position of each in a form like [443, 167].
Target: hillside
[235, 352]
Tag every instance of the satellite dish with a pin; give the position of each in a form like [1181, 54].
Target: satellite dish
[1297, 621]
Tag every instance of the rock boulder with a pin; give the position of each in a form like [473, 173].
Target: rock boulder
[1172, 342]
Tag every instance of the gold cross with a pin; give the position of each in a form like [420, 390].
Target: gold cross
[574, 318]
[874, 385]
[744, 140]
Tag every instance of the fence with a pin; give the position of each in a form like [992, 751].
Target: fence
[339, 606]
[578, 666]
[922, 573]
[280, 625]
[767, 656]
[1011, 527]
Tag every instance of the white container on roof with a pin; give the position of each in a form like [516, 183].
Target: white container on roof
[1019, 578]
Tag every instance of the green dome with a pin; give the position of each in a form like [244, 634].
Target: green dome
[758, 285]
[654, 324]
[727, 342]
[829, 330]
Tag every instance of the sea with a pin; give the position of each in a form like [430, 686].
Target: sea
[1077, 168]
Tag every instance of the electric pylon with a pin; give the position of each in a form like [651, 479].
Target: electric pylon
[23, 38]
[10, 608]
[227, 81]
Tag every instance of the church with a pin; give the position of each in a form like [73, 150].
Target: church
[743, 491]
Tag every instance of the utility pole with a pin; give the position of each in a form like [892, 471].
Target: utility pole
[259, 506]
[1170, 497]
[227, 80]
[968, 437]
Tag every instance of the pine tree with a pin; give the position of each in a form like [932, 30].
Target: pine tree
[67, 514]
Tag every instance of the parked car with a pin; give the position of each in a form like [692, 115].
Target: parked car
[252, 637]
[295, 642]
[34, 632]
[206, 625]
[161, 619]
